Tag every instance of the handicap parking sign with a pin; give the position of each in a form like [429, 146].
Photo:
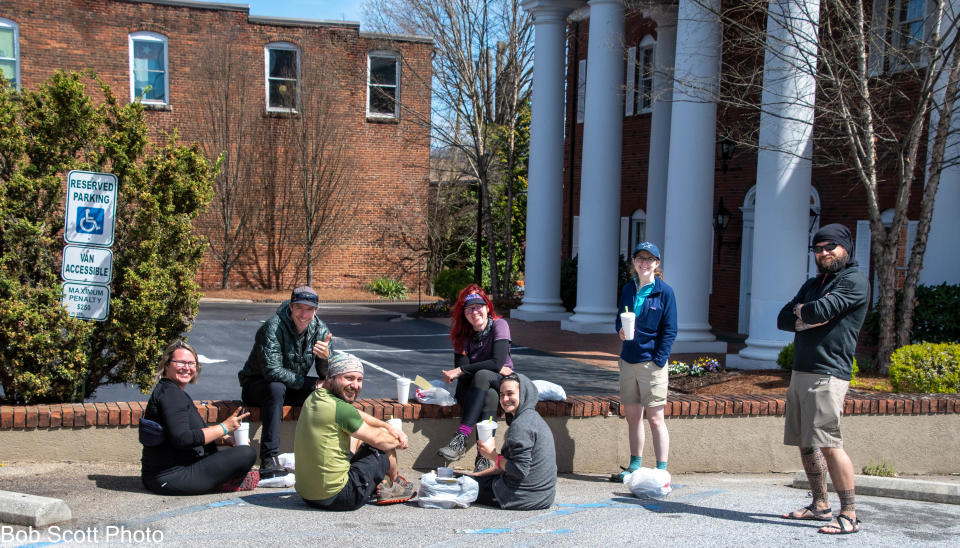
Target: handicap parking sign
[90, 220]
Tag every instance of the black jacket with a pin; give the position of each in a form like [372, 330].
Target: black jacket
[182, 429]
[840, 300]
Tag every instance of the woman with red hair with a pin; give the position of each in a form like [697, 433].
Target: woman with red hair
[481, 346]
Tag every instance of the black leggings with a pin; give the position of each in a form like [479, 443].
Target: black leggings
[478, 396]
[204, 476]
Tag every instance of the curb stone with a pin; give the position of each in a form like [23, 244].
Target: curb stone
[898, 488]
[31, 510]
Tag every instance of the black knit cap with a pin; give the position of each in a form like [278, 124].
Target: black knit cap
[835, 233]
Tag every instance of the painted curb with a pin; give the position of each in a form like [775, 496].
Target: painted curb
[897, 488]
[31, 510]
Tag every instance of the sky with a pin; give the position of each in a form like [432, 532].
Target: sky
[337, 10]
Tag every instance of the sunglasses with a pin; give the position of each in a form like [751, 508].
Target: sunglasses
[821, 248]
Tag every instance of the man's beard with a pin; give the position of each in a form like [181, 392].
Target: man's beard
[338, 392]
[836, 264]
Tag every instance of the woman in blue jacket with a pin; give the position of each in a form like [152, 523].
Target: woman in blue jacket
[643, 357]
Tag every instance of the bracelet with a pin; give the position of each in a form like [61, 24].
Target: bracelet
[496, 463]
[225, 433]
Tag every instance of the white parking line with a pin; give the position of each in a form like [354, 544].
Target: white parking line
[401, 350]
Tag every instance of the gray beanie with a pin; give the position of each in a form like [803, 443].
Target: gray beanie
[341, 363]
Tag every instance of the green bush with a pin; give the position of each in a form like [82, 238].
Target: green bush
[935, 317]
[451, 282]
[785, 361]
[48, 356]
[785, 357]
[926, 368]
[389, 288]
[568, 280]
[881, 469]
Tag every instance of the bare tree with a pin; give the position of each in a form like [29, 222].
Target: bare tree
[319, 163]
[273, 258]
[881, 90]
[481, 76]
[227, 132]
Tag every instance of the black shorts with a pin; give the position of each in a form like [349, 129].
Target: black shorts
[368, 467]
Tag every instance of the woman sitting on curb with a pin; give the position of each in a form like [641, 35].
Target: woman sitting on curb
[183, 459]
[524, 475]
[481, 346]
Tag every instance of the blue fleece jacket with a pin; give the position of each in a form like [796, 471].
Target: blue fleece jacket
[656, 325]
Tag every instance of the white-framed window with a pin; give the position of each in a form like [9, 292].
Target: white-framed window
[10, 51]
[898, 31]
[383, 84]
[639, 78]
[149, 68]
[281, 62]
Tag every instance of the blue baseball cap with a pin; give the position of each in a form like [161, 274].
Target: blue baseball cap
[649, 247]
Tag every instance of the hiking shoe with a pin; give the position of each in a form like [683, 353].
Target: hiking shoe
[270, 467]
[392, 492]
[481, 464]
[455, 449]
[246, 482]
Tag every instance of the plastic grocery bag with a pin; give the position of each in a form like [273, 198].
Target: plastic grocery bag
[288, 461]
[437, 395]
[651, 482]
[550, 391]
[437, 494]
[288, 480]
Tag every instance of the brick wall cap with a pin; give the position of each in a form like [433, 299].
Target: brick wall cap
[199, 4]
[397, 37]
[297, 22]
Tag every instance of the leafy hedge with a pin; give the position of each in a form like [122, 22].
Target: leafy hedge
[926, 368]
[935, 317]
[450, 283]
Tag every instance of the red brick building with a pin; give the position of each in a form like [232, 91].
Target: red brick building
[298, 107]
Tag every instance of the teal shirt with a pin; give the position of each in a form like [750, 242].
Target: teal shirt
[641, 295]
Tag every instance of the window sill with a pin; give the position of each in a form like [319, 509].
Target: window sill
[281, 114]
[157, 107]
[375, 119]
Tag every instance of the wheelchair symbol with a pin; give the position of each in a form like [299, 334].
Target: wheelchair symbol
[89, 220]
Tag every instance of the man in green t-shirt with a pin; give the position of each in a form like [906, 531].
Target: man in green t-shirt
[332, 472]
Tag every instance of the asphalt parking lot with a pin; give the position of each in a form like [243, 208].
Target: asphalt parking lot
[703, 509]
[380, 334]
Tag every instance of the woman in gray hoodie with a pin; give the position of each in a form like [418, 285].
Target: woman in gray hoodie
[524, 474]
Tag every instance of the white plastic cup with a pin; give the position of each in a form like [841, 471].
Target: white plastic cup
[628, 319]
[485, 430]
[242, 434]
[396, 423]
[403, 390]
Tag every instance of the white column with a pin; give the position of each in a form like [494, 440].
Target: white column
[783, 171]
[541, 300]
[663, 60]
[689, 213]
[600, 179]
[940, 263]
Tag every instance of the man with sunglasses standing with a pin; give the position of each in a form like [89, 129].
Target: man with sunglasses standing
[826, 316]
[275, 374]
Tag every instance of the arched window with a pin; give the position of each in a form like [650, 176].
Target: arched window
[282, 76]
[10, 51]
[149, 68]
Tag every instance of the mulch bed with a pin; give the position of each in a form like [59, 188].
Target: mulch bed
[772, 381]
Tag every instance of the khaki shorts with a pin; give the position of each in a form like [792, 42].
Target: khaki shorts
[643, 383]
[814, 406]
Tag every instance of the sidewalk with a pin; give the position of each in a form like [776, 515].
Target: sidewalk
[703, 509]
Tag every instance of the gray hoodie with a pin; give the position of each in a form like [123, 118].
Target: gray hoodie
[530, 478]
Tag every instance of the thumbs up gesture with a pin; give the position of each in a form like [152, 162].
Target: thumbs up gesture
[321, 349]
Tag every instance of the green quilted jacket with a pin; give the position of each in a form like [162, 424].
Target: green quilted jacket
[275, 355]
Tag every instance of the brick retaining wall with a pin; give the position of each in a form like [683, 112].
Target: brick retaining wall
[79, 415]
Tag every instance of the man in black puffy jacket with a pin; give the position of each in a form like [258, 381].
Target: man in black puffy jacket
[275, 374]
[826, 316]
